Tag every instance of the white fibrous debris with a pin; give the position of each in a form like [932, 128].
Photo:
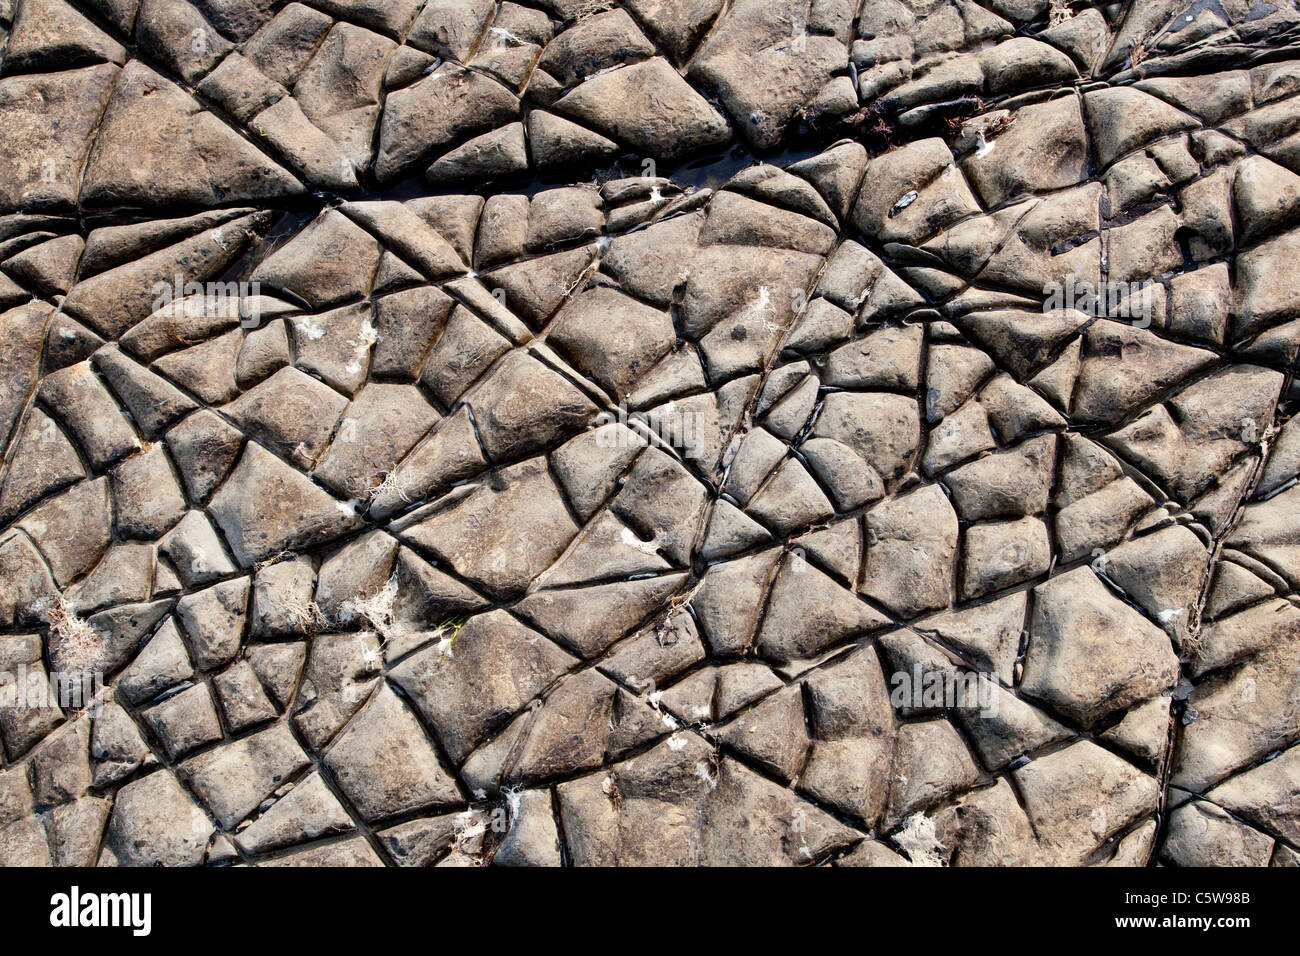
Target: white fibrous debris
[632, 541]
[504, 38]
[376, 610]
[79, 644]
[702, 771]
[394, 484]
[468, 820]
[471, 827]
[310, 329]
[919, 842]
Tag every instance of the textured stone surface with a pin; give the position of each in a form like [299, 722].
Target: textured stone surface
[454, 432]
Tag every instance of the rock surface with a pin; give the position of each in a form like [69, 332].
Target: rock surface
[439, 437]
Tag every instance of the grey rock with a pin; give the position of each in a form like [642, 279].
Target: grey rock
[385, 764]
[1129, 659]
[234, 778]
[156, 823]
[648, 106]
